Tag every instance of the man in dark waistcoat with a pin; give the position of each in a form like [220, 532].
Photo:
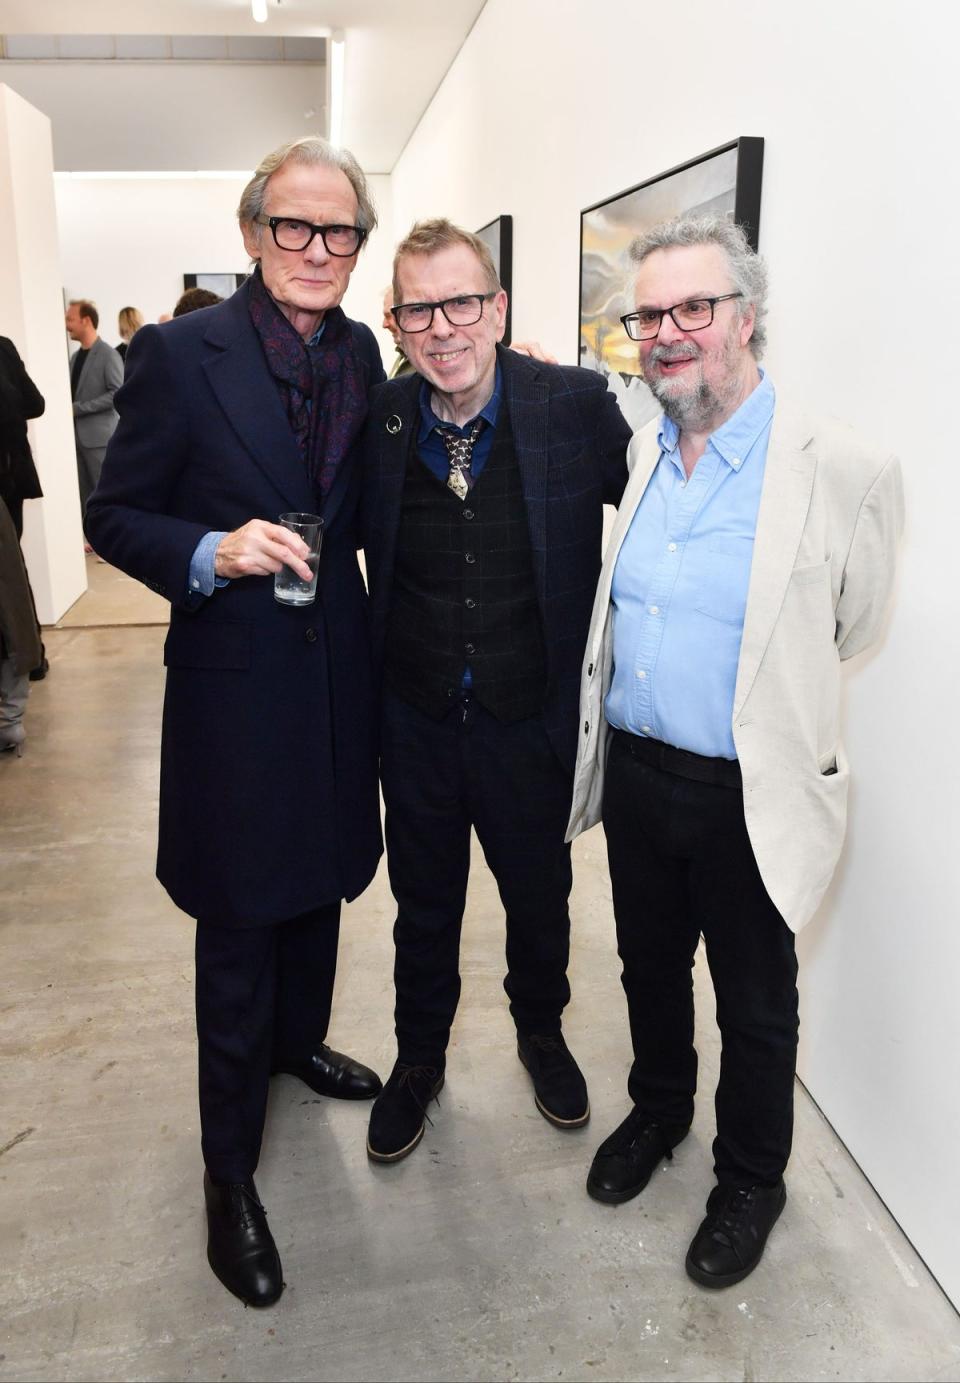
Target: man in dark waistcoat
[269, 805]
[485, 476]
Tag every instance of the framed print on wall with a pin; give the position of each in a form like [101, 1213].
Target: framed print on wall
[724, 180]
[498, 237]
[222, 284]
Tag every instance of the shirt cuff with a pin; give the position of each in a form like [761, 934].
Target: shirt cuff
[202, 578]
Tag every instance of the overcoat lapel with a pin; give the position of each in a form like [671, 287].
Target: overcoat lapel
[395, 433]
[251, 403]
[527, 400]
[784, 505]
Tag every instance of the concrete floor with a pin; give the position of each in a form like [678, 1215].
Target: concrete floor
[480, 1257]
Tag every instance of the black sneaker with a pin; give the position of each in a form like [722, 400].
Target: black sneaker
[400, 1110]
[559, 1088]
[730, 1242]
[625, 1162]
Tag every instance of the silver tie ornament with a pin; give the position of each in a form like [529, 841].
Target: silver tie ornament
[460, 452]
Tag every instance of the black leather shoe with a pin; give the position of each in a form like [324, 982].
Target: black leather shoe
[331, 1073]
[240, 1247]
[559, 1088]
[730, 1242]
[625, 1162]
[397, 1119]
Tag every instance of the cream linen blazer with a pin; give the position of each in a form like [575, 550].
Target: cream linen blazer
[830, 517]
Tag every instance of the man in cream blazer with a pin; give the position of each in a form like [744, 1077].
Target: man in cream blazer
[753, 550]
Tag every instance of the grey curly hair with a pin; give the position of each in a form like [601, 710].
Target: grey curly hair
[748, 272]
[310, 149]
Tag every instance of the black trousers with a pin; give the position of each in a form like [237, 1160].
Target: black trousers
[439, 779]
[681, 865]
[263, 994]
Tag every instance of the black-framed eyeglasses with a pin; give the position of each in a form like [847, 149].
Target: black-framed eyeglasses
[461, 311]
[291, 234]
[692, 315]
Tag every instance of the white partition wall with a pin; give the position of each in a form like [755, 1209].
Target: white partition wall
[553, 105]
[31, 314]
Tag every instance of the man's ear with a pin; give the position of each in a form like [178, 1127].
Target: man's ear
[251, 233]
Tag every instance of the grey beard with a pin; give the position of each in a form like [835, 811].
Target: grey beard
[695, 410]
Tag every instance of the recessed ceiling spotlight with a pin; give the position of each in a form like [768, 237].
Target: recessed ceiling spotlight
[259, 8]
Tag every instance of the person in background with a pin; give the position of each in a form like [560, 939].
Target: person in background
[96, 373]
[400, 364]
[20, 400]
[754, 549]
[20, 648]
[129, 322]
[269, 804]
[193, 298]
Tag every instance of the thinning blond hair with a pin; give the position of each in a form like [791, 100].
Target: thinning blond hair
[428, 237]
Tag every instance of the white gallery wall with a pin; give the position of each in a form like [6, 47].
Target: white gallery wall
[31, 314]
[129, 241]
[555, 104]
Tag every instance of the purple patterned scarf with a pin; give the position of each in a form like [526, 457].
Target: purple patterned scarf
[321, 386]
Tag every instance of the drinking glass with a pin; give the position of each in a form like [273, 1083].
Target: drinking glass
[288, 587]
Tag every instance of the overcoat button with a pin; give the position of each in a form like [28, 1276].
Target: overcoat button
[311, 636]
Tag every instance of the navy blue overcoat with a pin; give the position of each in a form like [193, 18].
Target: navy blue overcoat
[269, 804]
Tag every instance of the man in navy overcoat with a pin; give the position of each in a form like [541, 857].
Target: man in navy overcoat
[269, 808]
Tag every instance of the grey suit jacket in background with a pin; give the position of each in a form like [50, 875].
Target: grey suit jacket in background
[94, 415]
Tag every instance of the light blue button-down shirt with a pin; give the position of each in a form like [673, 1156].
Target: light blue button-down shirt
[680, 586]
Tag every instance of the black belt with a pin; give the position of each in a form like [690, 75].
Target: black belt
[682, 762]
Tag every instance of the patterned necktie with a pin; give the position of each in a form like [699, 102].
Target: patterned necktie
[460, 451]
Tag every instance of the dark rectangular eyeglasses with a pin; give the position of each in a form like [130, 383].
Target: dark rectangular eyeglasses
[290, 234]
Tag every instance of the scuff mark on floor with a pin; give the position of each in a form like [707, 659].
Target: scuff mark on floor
[25, 1133]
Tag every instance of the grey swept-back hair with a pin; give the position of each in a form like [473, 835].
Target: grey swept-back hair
[748, 273]
[310, 149]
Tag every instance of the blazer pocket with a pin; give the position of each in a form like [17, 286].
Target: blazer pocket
[810, 575]
[207, 644]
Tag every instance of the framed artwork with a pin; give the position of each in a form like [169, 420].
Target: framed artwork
[222, 284]
[498, 237]
[724, 180]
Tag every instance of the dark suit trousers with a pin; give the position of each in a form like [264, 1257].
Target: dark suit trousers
[439, 779]
[681, 865]
[263, 993]
[89, 466]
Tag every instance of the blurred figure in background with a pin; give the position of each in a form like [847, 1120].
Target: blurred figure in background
[20, 399]
[129, 321]
[20, 649]
[96, 373]
[400, 365]
[193, 298]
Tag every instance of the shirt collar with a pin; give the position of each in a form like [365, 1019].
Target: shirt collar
[314, 340]
[429, 420]
[734, 440]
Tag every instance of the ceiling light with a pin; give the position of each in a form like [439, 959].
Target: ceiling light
[259, 8]
[337, 52]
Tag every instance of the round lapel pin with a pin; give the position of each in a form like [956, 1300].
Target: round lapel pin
[394, 424]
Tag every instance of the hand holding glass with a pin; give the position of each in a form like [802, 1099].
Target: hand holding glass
[288, 587]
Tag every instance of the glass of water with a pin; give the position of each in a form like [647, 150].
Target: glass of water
[288, 587]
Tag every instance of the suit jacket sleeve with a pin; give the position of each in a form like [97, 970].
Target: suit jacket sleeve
[31, 400]
[129, 518]
[613, 438]
[871, 563]
[111, 377]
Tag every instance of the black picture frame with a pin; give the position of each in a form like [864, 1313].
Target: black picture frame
[497, 235]
[726, 179]
[216, 283]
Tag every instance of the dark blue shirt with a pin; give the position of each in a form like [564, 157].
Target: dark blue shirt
[430, 443]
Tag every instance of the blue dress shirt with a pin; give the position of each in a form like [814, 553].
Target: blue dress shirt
[430, 443]
[680, 586]
[202, 579]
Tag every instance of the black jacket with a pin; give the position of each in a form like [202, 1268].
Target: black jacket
[20, 399]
